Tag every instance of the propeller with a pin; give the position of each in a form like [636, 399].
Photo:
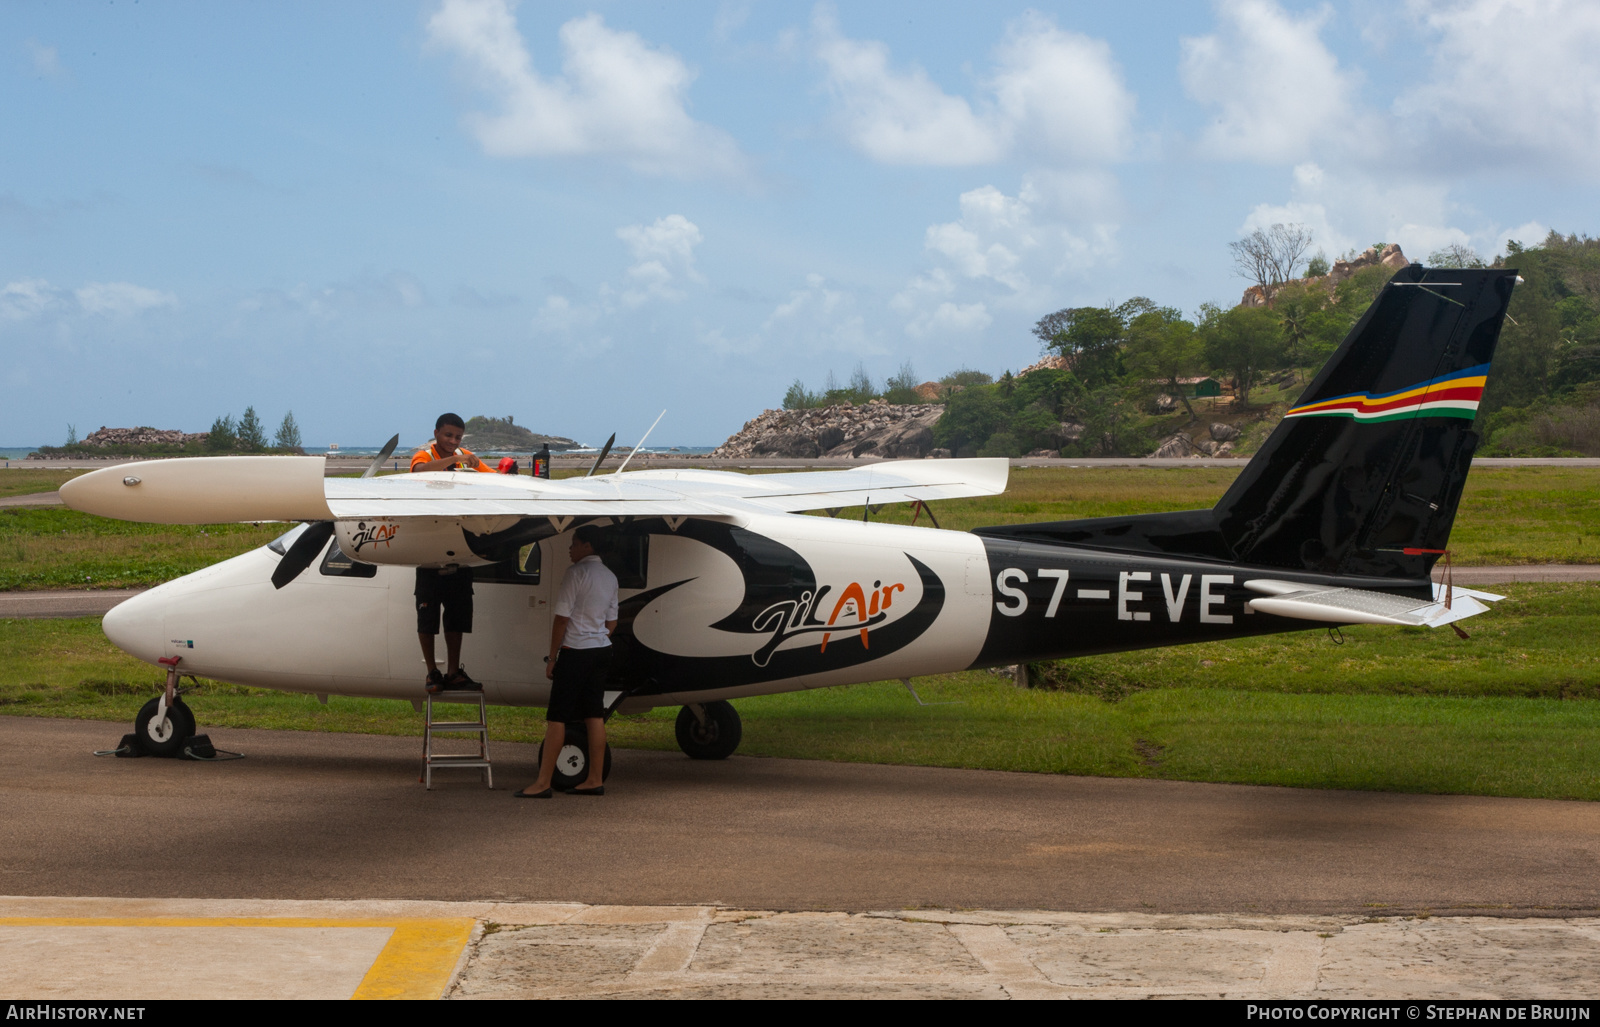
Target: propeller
[606, 449]
[304, 550]
[388, 451]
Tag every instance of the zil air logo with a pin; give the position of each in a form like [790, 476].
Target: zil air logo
[373, 534]
[181, 643]
[794, 617]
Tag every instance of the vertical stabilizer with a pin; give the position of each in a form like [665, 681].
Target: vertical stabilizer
[1364, 473]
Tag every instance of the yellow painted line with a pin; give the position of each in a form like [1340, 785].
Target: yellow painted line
[417, 962]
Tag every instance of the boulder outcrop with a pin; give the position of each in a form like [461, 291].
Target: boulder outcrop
[888, 430]
[104, 436]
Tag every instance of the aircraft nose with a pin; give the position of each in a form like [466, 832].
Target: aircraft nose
[136, 627]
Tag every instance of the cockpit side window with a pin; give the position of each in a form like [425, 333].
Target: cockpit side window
[281, 544]
[337, 565]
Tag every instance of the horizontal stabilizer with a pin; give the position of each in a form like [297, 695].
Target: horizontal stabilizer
[1298, 601]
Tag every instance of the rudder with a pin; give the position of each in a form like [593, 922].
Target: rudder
[1364, 473]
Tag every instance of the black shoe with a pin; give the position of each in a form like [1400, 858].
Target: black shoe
[523, 793]
[459, 682]
[435, 682]
[596, 790]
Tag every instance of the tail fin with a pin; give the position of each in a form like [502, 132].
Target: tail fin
[1363, 475]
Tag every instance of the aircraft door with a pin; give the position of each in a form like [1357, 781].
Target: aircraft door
[511, 627]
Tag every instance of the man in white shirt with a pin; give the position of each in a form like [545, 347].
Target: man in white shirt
[580, 655]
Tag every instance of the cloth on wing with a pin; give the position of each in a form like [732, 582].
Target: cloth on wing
[431, 452]
[587, 598]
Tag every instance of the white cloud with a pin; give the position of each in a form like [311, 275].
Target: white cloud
[45, 59]
[1514, 82]
[28, 298]
[121, 298]
[1048, 229]
[617, 96]
[1052, 93]
[950, 319]
[993, 234]
[664, 255]
[821, 318]
[1276, 88]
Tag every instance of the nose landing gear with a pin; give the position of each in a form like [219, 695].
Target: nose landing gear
[165, 726]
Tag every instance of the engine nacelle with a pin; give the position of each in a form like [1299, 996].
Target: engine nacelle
[415, 541]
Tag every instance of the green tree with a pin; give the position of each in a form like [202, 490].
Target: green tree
[799, 398]
[970, 417]
[1243, 342]
[222, 438]
[72, 435]
[1162, 347]
[251, 434]
[288, 436]
[965, 377]
[902, 386]
[1317, 266]
[1089, 338]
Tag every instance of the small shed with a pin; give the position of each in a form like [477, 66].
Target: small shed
[1201, 387]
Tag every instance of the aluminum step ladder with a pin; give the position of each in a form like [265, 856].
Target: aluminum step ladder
[472, 761]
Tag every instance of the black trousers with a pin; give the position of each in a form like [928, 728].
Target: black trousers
[577, 692]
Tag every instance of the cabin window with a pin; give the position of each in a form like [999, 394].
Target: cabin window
[337, 565]
[628, 557]
[522, 569]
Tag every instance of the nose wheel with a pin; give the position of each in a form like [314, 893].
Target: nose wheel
[709, 731]
[164, 724]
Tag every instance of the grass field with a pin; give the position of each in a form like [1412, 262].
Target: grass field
[20, 482]
[1512, 711]
[1508, 516]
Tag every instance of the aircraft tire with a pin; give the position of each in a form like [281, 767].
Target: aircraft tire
[572, 768]
[717, 738]
[166, 738]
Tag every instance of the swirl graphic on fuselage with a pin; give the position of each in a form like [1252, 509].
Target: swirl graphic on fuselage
[782, 600]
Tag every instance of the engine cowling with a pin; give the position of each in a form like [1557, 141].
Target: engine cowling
[416, 541]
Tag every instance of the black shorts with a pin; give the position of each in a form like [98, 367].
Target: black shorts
[578, 691]
[450, 592]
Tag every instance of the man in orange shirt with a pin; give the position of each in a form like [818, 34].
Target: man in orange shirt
[445, 591]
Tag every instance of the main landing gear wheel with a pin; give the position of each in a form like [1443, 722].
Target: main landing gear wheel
[711, 736]
[164, 737]
[572, 765]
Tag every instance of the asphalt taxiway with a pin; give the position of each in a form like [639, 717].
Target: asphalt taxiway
[329, 816]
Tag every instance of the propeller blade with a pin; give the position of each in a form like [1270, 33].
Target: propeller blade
[388, 451]
[304, 550]
[601, 458]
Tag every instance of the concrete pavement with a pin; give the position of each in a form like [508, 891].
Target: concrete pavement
[88, 949]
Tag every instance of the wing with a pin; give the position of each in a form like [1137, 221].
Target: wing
[210, 490]
[1363, 606]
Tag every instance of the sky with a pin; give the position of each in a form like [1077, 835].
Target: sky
[583, 214]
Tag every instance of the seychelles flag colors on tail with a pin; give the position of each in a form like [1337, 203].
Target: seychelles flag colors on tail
[1453, 395]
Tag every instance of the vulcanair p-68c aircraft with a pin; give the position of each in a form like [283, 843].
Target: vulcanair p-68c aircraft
[728, 591]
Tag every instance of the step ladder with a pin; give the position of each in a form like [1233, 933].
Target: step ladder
[474, 761]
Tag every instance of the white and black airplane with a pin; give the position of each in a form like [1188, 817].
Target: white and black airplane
[728, 591]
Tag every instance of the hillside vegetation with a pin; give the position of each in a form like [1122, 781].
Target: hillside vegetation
[1129, 379]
